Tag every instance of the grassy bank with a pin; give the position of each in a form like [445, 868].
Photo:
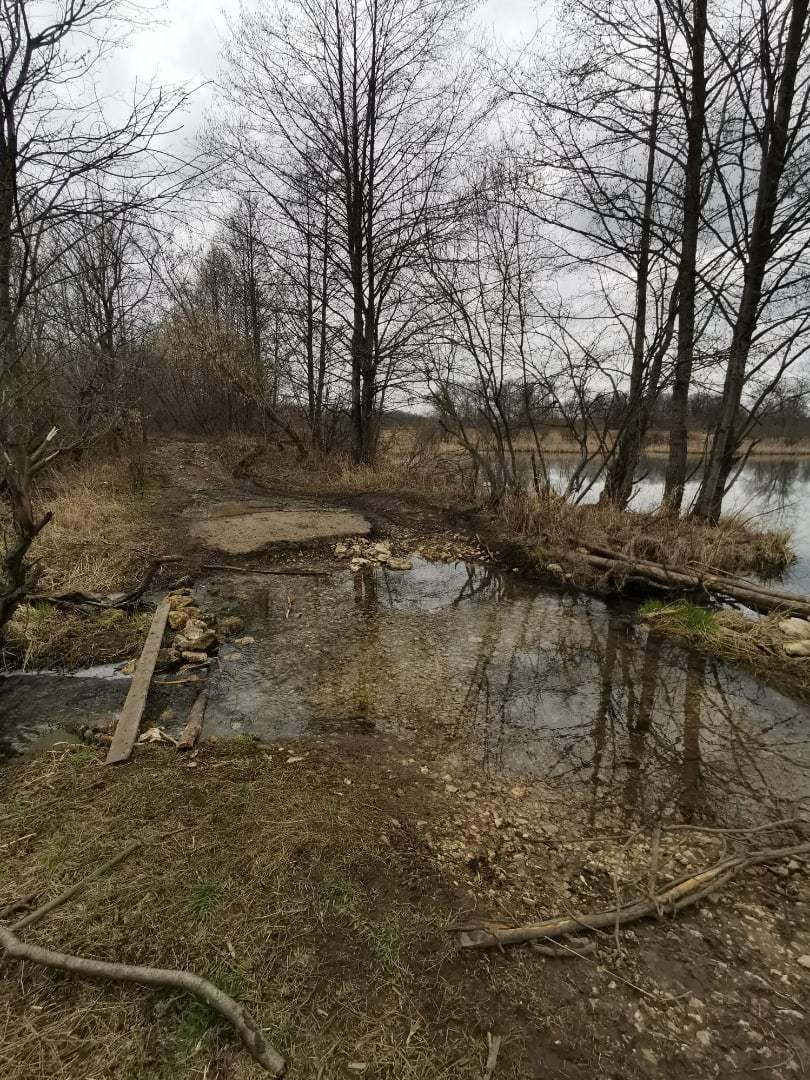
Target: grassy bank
[755, 644]
[307, 883]
[103, 533]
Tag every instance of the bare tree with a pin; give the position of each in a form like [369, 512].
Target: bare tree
[55, 137]
[362, 99]
[767, 161]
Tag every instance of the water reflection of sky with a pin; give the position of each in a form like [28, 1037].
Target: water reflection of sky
[466, 660]
[772, 492]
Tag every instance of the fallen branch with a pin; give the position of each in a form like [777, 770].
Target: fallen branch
[675, 897]
[191, 732]
[680, 579]
[159, 978]
[23, 904]
[290, 571]
[33, 917]
[494, 1047]
[106, 600]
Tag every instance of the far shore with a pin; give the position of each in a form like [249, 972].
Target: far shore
[767, 448]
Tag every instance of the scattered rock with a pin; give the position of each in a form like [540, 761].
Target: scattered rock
[192, 657]
[797, 648]
[230, 624]
[399, 564]
[804, 961]
[180, 600]
[178, 619]
[196, 637]
[244, 641]
[796, 629]
[554, 568]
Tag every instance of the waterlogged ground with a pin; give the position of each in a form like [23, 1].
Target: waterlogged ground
[515, 681]
[481, 668]
[421, 751]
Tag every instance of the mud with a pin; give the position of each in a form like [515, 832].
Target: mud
[242, 533]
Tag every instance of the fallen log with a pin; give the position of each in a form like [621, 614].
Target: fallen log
[716, 586]
[126, 730]
[678, 895]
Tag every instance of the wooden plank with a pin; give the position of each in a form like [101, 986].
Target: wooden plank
[126, 730]
[191, 732]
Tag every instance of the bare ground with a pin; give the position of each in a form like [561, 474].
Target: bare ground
[321, 883]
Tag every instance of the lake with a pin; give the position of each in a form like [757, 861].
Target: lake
[770, 492]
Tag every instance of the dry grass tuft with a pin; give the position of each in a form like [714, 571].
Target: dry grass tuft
[42, 636]
[562, 526]
[754, 643]
[404, 466]
[103, 534]
[103, 531]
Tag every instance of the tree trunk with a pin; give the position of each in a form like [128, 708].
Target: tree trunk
[619, 476]
[679, 432]
[775, 140]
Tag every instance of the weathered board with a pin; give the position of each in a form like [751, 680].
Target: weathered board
[126, 730]
[191, 732]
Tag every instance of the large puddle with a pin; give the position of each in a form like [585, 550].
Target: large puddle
[483, 666]
[517, 681]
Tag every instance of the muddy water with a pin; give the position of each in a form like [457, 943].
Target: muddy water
[34, 707]
[518, 682]
[481, 666]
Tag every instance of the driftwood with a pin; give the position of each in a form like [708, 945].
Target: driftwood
[678, 579]
[106, 600]
[191, 732]
[126, 730]
[289, 571]
[678, 895]
[160, 978]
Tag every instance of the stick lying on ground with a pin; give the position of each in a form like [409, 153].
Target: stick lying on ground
[288, 571]
[161, 978]
[191, 732]
[33, 917]
[678, 895]
[107, 600]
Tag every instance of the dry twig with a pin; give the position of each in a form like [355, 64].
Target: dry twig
[678, 895]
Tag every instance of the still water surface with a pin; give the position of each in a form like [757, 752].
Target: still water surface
[514, 679]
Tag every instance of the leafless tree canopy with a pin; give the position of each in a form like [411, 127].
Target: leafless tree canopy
[594, 234]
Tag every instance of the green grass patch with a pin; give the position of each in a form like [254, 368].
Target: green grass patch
[682, 617]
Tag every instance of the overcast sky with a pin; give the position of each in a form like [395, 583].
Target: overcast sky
[182, 44]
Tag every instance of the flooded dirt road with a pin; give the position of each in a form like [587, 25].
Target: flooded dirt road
[484, 668]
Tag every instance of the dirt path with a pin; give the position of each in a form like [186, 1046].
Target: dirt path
[390, 755]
